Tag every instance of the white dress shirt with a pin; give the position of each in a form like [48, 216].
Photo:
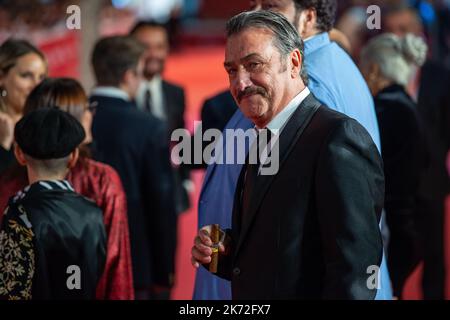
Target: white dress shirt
[156, 96]
[112, 92]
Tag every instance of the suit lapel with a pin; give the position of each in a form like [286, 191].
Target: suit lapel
[290, 134]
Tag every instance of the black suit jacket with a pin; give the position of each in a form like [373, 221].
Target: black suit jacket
[136, 145]
[311, 230]
[175, 105]
[434, 108]
[405, 159]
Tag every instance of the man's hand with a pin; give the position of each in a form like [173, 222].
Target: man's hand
[6, 131]
[202, 249]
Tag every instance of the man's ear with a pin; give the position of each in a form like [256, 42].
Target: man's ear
[20, 156]
[127, 78]
[307, 22]
[297, 62]
[73, 158]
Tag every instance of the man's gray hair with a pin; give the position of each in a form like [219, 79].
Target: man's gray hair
[396, 56]
[286, 37]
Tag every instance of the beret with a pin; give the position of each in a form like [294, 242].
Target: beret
[48, 133]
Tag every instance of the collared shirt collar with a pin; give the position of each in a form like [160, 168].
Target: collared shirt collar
[111, 92]
[277, 124]
[316, 42]
[155, 81]
[43, 185]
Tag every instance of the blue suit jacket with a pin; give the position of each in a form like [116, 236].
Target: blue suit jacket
[336, 82]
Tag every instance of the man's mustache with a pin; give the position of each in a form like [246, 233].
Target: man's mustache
[250, 91]
[153, 60]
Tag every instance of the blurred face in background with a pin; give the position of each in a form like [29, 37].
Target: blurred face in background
[403, 22]
[284, 7]
[28, 71]
[157, 43]
[133, 78]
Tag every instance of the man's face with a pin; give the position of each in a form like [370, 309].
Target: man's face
[157, 43]
[258, 74]
[403, 22]
[284, 7]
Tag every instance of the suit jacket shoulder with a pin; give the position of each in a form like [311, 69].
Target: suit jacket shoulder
[173, 87]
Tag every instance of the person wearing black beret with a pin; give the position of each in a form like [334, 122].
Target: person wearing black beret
[52, 240]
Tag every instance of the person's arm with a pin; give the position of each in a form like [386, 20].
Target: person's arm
[158, 187]
[17, 260]
[349, 199]
[403, 166]
[116, 282]
[184, 171]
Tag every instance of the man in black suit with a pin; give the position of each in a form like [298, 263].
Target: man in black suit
[161, 98]
[311, 229]
[135, 144]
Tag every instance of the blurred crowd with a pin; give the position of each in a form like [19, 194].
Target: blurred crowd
[31, 14]
[124, 161]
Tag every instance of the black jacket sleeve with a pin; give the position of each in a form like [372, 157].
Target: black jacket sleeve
[404, 161]
[160, 205]
[350, 177]
[183, 170]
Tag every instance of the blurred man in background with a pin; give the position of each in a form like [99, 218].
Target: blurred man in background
[162, 99]
[135, 143]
